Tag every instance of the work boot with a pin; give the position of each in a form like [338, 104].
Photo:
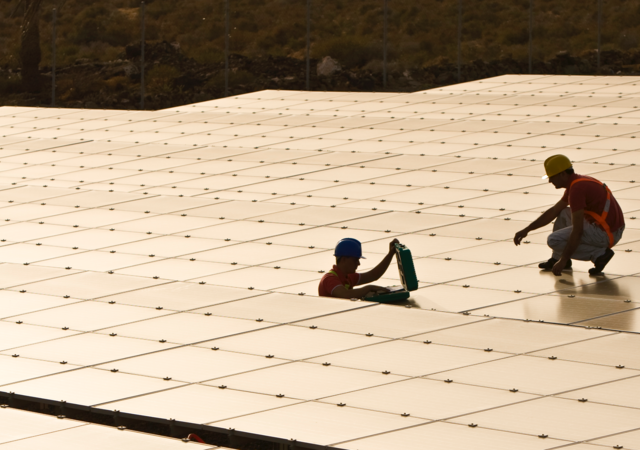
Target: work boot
[601, 262]
[548, 265]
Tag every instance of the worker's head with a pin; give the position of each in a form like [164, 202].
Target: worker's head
[558, 169]
[348, 253]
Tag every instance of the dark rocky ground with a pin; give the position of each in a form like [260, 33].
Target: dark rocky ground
[174, 79]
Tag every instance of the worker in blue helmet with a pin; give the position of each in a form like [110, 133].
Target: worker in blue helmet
[342, 278]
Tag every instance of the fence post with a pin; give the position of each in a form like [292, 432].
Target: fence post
[599, 30]
[226, 48]
[142, 29]
[459, 40]
[53, 60]
[308, 45]
[530, 36]
[384, 45]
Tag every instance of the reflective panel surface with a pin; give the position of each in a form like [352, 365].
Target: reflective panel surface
[184, 249]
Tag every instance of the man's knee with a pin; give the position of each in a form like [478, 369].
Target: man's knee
[556, 241]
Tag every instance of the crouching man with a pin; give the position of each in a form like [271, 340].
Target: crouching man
[341, 280]
[588, 218]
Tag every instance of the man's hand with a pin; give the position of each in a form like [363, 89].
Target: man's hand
[392, 245]
[364, 291]
[520, 235]
[559, 267]
[375, 289]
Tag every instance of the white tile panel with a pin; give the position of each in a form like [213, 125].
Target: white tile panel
[428, 399]
[557, 418]
[539, 376]
[86, 349]
[460, 191]
[17, 335]
[102, 438]
[290, 342]
[78, 386]
[394, 357]
[191, 364]
[193, 404]
[21, 425]
[319, 423]
[306, 381]
[454, 437]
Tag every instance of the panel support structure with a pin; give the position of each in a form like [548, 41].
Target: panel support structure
[53, 58]
[142, 32]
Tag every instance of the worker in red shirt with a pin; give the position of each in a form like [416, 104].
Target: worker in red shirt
[588, 222]
[340, 281]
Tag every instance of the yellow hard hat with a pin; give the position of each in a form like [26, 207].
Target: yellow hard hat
[555, 164]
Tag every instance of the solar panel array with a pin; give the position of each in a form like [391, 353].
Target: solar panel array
[23, 430]
[166, 264]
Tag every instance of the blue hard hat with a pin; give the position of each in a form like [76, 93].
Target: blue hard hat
[348, 247]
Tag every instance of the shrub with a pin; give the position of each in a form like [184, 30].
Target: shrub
[10, 84]
[239, 77]
[161, 79]
[350, 51]
[117, 83]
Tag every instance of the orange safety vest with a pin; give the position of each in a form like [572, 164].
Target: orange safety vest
[347, 286]
[601, 219]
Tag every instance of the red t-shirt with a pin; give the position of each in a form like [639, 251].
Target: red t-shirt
[592, 197]
[330, 281]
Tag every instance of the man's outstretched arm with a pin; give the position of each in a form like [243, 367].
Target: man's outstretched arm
[379, 270]
[545, 219]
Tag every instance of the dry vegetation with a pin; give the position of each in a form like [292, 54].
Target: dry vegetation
[421, 33]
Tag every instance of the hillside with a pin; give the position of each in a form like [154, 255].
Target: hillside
[267, 40]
